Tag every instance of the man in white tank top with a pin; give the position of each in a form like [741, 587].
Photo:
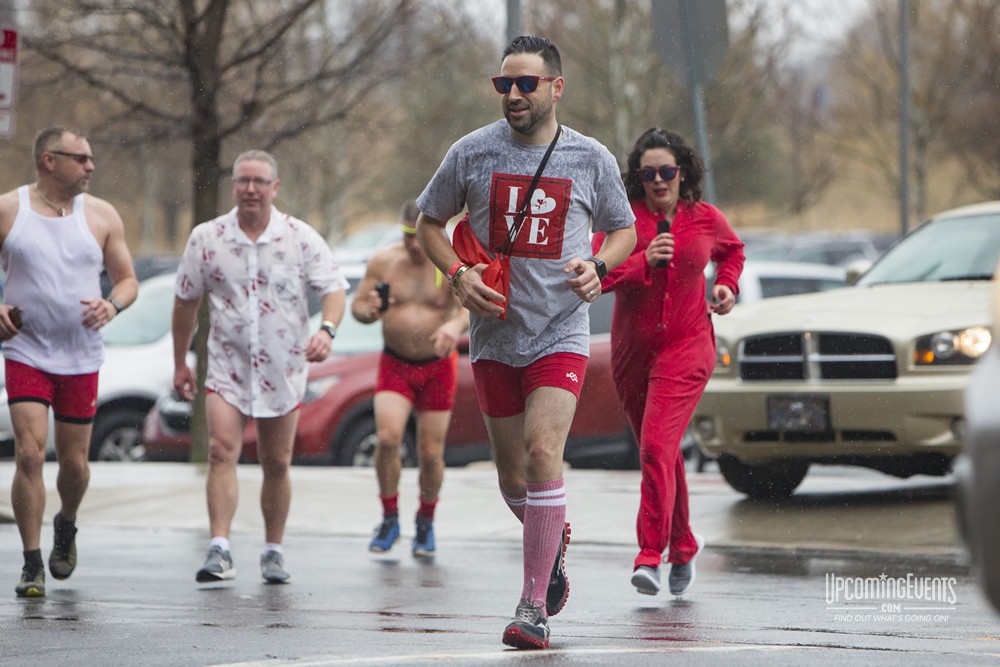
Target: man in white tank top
[54, 242]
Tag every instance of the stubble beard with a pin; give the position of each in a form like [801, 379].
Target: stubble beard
[532, 121]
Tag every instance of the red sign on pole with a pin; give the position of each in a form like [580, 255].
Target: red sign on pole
[8, 82]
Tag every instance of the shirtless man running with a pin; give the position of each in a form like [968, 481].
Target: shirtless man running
[418, 372]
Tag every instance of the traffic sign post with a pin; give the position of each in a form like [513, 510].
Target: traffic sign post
[8, 82]
[693, 34]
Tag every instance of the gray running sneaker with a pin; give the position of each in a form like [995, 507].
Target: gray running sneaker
[646, 579]
[529, 629]
[62, 560]
[32, 584]
[272, 568]
[218, 566]
[682, 576]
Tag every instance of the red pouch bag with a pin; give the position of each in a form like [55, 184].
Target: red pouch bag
[496, 275]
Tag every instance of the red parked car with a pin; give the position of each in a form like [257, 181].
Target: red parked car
[337, 425]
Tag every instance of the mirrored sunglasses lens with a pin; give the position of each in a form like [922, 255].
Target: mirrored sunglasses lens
[527, 84]
[502, 84]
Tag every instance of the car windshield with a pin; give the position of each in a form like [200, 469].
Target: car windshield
[772, 286]
[948, 249]
[147, 320]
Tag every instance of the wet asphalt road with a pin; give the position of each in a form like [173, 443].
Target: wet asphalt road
[760, 597]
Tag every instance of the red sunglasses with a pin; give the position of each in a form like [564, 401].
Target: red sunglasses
[526, 84]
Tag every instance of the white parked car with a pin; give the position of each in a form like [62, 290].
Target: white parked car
[138, 368]
[762, 279]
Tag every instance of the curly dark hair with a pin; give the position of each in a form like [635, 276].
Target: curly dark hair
[692, 166]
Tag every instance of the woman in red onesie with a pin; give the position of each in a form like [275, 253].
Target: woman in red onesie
[662, 338]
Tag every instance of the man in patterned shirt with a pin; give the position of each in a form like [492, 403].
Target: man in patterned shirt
[255, 264]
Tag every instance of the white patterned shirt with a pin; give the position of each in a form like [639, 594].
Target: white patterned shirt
[257, 306]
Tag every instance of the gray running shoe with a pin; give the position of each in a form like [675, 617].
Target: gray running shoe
[272, 568]
[62, 560]
[646, 579]
[32, 584]
[682, 576]
[218, 566]
[529, 629]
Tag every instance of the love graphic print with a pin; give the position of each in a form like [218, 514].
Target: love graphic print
[544, 226]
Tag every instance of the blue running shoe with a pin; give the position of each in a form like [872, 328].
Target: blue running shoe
[423, 543]
[386, 535]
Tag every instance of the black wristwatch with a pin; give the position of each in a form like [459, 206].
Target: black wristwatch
[329, 328]
[116, 303]
[602, 270]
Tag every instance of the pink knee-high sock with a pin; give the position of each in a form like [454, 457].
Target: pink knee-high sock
[516, 505]
[544, 520]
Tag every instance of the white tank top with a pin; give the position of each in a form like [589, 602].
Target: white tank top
[51, 264]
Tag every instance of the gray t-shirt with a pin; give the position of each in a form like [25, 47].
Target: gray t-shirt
[488, 171]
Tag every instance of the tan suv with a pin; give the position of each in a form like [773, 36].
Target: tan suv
[871, 375]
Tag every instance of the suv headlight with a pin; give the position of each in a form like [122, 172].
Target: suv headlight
[951, 348]
[723, 356]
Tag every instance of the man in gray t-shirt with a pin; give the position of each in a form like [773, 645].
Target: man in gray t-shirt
[529, 347]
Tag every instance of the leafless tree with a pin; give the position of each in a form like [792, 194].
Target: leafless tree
[952, 69]
[217, 73]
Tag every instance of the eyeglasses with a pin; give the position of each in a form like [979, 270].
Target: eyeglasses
[82, 158]
[244, 181]
[666, 172]
[526, 84]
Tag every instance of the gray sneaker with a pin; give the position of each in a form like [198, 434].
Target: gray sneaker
[218, 566]
[646, 579]
[32, 584]
[682, 576]
[272, 568]
[529, 629]
[62, 560]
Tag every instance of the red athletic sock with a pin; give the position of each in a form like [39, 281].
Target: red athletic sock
[426, 510]
[390, 505]
[544, 520]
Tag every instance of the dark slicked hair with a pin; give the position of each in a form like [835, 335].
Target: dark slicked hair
[49, 140]
[543, 47]
[692, 166]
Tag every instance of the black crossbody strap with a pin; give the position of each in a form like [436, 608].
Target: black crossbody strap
[522, 213]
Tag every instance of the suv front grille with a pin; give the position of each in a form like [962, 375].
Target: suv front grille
[816, 356]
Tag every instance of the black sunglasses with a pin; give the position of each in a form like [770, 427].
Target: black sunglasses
[82, 158]
[666, 172]
[526, 84]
